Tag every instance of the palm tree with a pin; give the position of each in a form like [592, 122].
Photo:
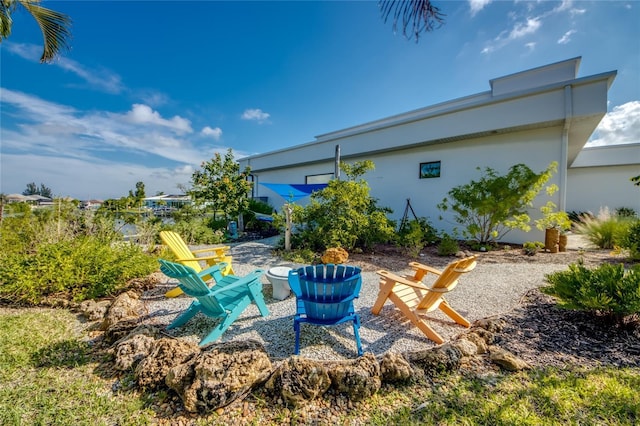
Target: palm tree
[416, 16]
[55, 26]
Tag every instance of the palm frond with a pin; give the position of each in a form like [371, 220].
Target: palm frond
[5, 19]
[55, 27]
[415, 16]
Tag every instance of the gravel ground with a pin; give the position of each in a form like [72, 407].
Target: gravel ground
[491, 289]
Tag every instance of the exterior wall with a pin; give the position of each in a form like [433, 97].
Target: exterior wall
[593, 188]
[396, 176]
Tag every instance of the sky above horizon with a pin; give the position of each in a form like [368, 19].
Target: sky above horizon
[151, 89]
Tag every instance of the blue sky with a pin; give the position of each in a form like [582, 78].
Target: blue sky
[151, 89]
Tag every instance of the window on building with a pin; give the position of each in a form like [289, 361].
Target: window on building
[323, 178]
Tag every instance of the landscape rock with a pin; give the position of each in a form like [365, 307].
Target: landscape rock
[124, 329]
[506, 359]
[220, 375]
[132, 350]
[479, 339]
[436, 360]
[494, 325]
[395, 368]
[466, 347]
[165, 354]
[357, 379]
[126, 306]
[299, 380]
[92, 310]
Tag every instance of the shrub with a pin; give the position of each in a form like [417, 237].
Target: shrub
[490, 207]
[342, 214]
[448, 245]
[415, 234]
[78, 254]
[576, 217]
[605, 230]
[83, 268]
[631, 240]
[530, 248]
[608, 290]
[198, 231]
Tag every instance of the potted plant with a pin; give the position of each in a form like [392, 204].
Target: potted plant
[554, 223]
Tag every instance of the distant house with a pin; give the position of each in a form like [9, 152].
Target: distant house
[533, 117]
[166, 202]
[34, 200]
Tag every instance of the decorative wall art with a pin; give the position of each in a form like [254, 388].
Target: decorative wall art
[430, 170]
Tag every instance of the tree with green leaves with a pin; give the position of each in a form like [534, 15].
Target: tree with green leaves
[490, 207]
[55, 26]
[636, 180]
[33, 189]
[343, 214]
[138, 196]
[221, 186]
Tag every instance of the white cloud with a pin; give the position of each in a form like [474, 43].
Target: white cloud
[519, 30]
[43, 126]
[152, 97]
[98, 79]
[566, 38]
[30, 52]
[537, 14]
[143, 114]
[522, 29]
[477, 5]
[531, 45]
[88, 179]
[216, 133]
[620, 126]
[255, 115]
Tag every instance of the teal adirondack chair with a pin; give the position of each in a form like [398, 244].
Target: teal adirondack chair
[324, 296]
[230, 296]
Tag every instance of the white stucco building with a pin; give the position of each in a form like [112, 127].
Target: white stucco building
[533, 117]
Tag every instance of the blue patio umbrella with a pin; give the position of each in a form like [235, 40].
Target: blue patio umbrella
[294, 192]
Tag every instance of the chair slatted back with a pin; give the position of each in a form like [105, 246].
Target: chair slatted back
[326, 291]
[175, 242]
[192, 285]
[447, 280]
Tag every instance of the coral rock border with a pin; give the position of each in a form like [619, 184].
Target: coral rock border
[210, 378]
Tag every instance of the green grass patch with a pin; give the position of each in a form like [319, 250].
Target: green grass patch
[48, 375]
[604, 396]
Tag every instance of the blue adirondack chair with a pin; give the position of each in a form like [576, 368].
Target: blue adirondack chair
[230, 296]
[324, 296]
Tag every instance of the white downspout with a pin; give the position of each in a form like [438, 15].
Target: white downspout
[563, 168]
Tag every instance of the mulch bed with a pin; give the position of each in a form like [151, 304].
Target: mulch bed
[543, 334]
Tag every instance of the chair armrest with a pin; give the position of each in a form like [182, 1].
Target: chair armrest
[218, 250]
[416, 265]
[241, 282]
[211, 270]
[215, 257]
[401, 280]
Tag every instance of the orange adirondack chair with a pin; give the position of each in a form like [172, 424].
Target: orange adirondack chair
[414, 298]
[192, 258]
